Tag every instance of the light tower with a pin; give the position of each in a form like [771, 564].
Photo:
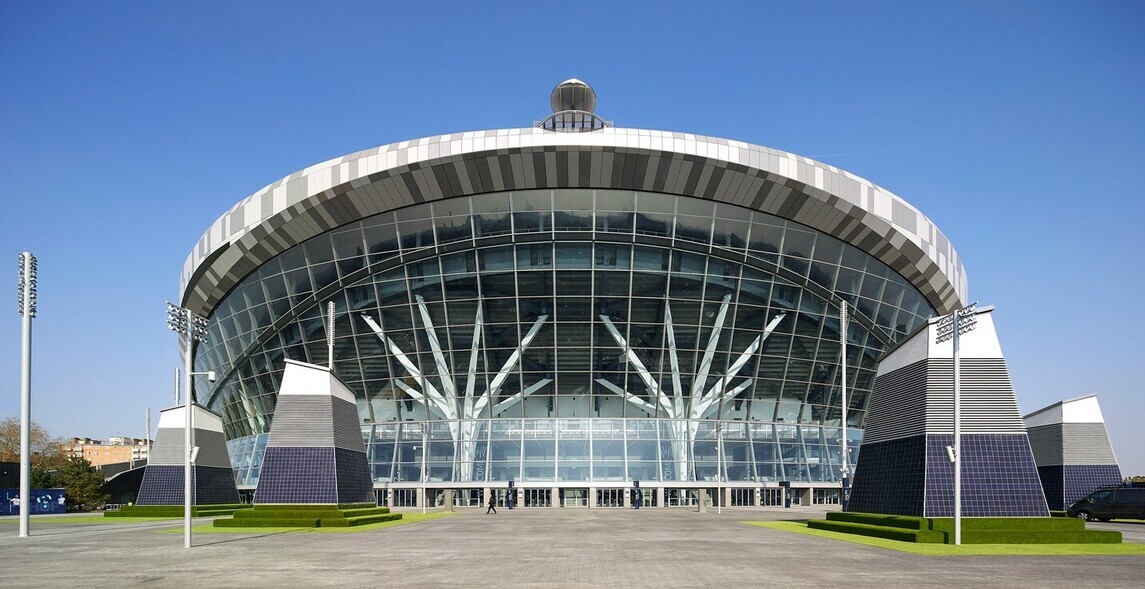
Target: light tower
[193, 328]
[952, 326]
[27, 312]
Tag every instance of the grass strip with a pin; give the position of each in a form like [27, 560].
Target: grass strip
[93, 519]
[964, 550]
[407, 518]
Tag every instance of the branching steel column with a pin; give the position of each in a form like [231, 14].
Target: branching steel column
[684, 415]
[461, 413]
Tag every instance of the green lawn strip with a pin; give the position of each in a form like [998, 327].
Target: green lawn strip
[407, 518]
[964, 550]
[93, 519]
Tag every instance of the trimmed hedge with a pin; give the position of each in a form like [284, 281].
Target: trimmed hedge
[1033, 524]
[177, 510]
[874, 519]
[1028, 537]
[887, 532]
[309, 516]
[975, 530]
[359, 521]
[268, 523]
[313, 506]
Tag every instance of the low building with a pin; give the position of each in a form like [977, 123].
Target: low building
[1072, 449]
[114, 450]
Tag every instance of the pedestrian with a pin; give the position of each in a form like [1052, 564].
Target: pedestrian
[492, 504]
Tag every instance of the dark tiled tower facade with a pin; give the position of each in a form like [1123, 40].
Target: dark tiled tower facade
[212, 477]
[315, 452]
[904, 467]
[1072, 450]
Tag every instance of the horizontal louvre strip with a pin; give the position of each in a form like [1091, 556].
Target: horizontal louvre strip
[302, 421]
[347, 427]
[1046, 442]
[988, 404]
[1086, 443]
[897, 408]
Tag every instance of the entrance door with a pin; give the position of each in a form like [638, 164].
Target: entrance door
[610, 497]
[742, 497]
[680, 497]
[574, 497]
[538, 497]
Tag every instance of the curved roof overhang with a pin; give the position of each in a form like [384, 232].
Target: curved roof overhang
[346, 189]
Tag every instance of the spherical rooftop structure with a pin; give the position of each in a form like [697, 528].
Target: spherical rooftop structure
[573, 94]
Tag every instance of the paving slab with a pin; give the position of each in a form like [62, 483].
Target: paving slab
[532, 548]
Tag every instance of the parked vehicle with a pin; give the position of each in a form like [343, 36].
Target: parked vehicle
[1106, 504]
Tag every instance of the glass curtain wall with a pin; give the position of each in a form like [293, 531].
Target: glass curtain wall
[569, 335]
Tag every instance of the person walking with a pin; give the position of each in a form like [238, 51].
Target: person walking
[492, 504]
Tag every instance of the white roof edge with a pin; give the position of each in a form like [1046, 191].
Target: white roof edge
[378, 159]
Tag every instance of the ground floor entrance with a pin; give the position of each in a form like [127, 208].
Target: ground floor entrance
[604, 496]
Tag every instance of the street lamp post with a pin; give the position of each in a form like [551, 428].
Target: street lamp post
[193, 328]
[27, 312]
[951, 327]
[845, 469]
[424, 449]
[719, 466]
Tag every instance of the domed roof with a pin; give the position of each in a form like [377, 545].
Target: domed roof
[573, 94]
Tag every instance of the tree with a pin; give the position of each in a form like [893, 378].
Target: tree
[40, 478]
[46, 451]
[82, 481]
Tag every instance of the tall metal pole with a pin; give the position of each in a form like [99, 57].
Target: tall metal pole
[957, 441]
[330, 335]
[188, 440]
[424, 450]
[719, 466]
[192, 328]
[952, 327]
[845, 469]
[27, 312]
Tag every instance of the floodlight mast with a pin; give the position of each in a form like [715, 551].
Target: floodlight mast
[192, 328]
[951, 327]
[845, 468]
[27, 290]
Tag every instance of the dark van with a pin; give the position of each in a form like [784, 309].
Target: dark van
[1107, 504]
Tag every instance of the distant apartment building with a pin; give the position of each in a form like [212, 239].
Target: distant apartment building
[115, 450]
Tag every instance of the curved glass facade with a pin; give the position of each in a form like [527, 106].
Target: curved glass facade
[568, 335]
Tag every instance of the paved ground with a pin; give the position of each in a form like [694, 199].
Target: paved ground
[526, 548]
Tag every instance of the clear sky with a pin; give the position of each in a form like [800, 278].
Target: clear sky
[128, 127]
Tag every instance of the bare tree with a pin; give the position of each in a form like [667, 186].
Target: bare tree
[47, 451]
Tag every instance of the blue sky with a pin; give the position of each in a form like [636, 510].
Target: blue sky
[128, 127]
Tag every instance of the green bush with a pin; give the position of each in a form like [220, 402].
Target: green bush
[887, 532]
[176, 510]
[309, 516]
[1032, 524]
[975, 530]
[876, 519]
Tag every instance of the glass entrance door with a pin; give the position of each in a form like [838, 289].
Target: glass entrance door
[574, 497]
[743, 496]
[610, 497]
[538, 497]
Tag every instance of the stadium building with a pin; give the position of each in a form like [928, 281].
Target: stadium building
[572, 309]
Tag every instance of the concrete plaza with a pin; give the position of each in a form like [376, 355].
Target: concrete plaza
[564, 547]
